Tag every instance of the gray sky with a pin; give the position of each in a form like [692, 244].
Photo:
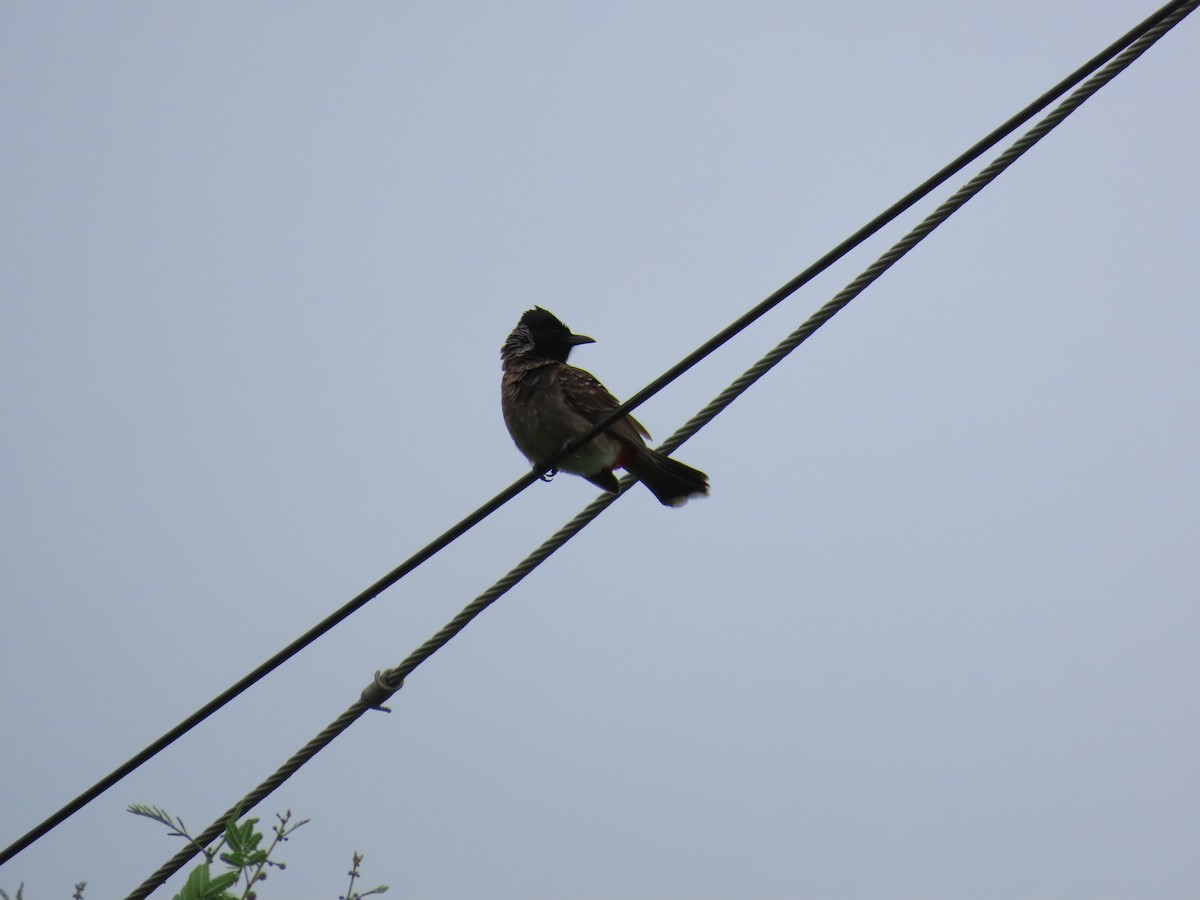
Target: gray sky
[934, 635]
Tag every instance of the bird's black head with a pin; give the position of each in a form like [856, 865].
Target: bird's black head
[541, 334]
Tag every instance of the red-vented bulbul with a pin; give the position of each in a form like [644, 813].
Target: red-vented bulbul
[547, 402]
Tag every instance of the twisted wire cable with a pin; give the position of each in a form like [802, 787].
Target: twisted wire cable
[927, 225]
[470, 521]
[388, 682]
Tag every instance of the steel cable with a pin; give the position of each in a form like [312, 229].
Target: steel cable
[388, 682]
[461, 527]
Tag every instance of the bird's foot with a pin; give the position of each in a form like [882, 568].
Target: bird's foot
[549, 475]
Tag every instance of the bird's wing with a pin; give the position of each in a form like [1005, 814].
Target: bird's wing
[591, 399]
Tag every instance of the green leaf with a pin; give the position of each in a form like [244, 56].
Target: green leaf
[243, 838]
[224, 880]
[202, 886]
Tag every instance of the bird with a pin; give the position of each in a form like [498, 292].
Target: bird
[547, 402]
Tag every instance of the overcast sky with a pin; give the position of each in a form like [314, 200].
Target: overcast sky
[936, 634]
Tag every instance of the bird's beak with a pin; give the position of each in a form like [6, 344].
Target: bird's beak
[577, 339]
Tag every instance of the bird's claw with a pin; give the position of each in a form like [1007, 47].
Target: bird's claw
[546, 476]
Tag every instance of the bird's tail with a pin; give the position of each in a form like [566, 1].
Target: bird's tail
[671, 481]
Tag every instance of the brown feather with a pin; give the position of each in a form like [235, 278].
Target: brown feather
[592, 400]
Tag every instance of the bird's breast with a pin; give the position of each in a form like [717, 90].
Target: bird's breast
[540, 421]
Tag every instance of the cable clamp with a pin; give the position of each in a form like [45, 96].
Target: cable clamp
[381, 688]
